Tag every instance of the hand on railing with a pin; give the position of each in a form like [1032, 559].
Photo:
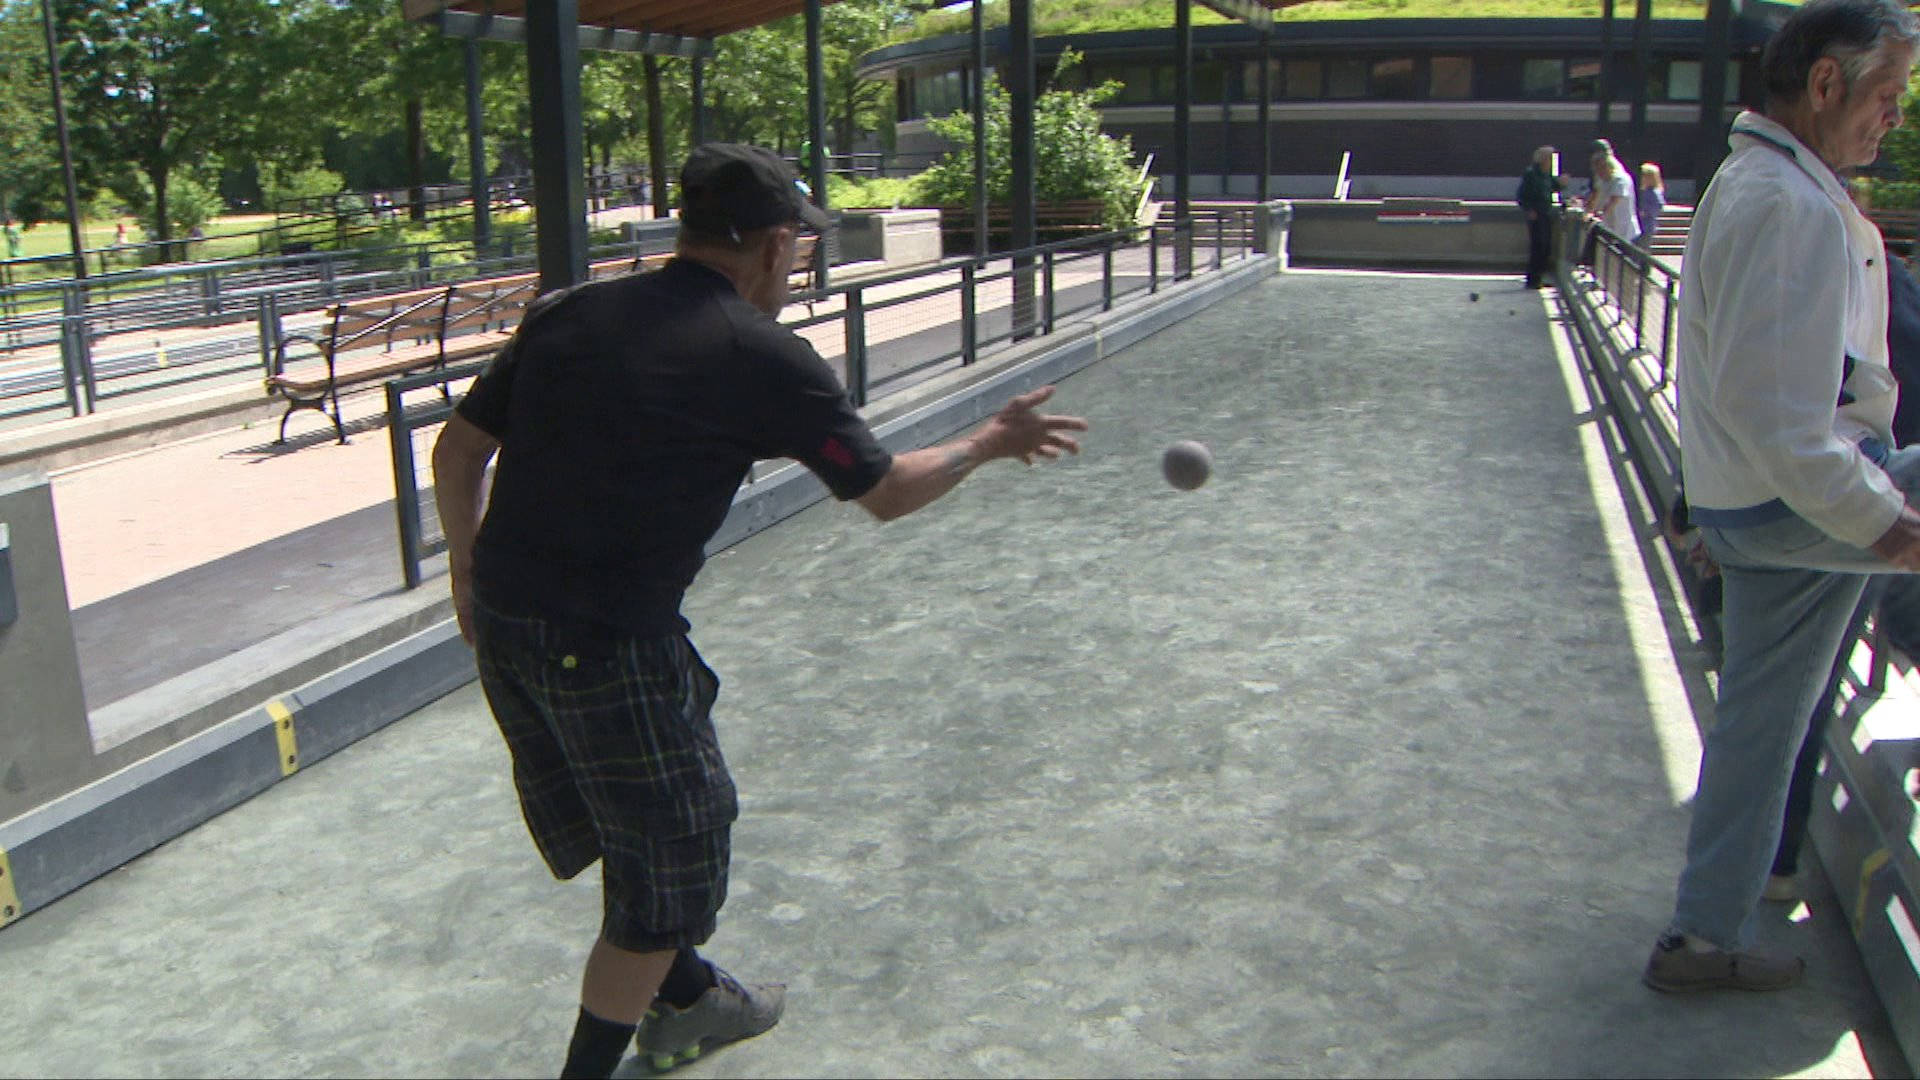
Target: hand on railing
[1900, 545]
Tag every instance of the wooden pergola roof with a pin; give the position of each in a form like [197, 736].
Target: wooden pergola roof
[671, 18]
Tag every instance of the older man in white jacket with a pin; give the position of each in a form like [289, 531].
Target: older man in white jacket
[1786, 456]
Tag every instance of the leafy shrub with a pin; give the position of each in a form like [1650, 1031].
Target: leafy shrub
[190, 205]
[1073, 159]
[881, 192]
[281, 189]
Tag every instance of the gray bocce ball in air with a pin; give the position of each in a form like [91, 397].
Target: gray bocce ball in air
[1186, 464]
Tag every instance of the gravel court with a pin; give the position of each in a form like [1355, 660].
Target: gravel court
[1343, 764]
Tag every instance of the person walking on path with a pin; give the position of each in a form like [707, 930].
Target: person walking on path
[1538, 196]
[1785, 402]
[625, 414]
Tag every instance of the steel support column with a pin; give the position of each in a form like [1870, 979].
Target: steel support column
[1182, 124]
[477, 156]
[1603, 91]
[1263, 188]
[559, 188]
[817, 130]
[981, 243]
[699, 133]
[66, 146]
[1712, 140]
[1642, 72]
[1020, 92]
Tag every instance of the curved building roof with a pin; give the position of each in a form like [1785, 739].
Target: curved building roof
[1750, 31]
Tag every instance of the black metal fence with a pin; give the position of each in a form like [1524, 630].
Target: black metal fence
[76, 344]
[892, 331]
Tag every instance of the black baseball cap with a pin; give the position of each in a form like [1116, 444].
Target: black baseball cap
[735, 188]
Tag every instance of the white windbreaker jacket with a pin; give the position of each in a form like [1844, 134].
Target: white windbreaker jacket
[1783, 345]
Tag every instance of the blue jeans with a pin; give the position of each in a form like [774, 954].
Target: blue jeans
[1789, 596]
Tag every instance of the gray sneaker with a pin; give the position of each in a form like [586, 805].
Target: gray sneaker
[1676, 969]
[727, 1012]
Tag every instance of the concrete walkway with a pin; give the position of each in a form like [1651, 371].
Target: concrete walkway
[1368, 758]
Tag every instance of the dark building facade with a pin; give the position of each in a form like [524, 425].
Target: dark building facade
[1424, 107]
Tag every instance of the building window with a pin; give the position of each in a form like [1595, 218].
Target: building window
[1164, 76]
[1683, 80]
[1583, 80]
[1542, 78]
[903, 98]
[1347, 79]
[1450, 77]
[1392, 79]
[1209, 83]
[1303, 79]
[1250, 80]
[1136, 84]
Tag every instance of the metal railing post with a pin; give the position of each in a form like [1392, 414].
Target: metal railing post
[856, 327]
[969, 308]
[69, 366]
[406, 486]
[1666, 334]
[269, 326]
[74, 304]
[1153, 258]
[1046, 292]
[1219, 238]
[1640, 311]
[1106, 276]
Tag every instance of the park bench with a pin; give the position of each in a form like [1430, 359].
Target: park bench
[365, 340]
[372, 339]
[1051, 220]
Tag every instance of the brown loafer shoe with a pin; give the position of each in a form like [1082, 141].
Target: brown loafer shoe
[1676, 969]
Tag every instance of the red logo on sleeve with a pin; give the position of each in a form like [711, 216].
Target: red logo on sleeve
[836, 452]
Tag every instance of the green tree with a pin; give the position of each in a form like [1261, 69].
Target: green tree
[757, 81]
[1073, 158]
[849, 31]
[29, 160]
[1901, 146]
[158, 88]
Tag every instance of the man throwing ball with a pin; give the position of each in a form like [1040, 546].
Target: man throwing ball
[625, 414]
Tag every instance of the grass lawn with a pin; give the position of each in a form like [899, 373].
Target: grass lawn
[51, 237]
[229, 237]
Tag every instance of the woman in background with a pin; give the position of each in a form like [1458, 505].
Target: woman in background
[1650, 200]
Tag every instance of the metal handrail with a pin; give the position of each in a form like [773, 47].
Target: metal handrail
[418, 544]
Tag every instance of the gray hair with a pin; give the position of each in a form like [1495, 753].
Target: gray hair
[1852, 32]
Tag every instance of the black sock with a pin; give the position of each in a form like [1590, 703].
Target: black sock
[689, 977]
[597, 1047]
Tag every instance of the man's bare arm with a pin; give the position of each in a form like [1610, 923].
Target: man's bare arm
[919, 477]
[460, 459]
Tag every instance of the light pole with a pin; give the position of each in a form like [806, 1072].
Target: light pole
[66, 147]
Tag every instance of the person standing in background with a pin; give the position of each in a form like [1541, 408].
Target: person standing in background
[1649, 201]
[1538, 196]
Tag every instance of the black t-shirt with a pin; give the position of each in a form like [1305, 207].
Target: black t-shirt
[628, 413]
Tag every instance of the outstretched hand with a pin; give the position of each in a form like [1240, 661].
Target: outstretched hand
[1018, 431]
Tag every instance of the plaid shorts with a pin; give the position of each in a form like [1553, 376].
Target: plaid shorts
[615, 758]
